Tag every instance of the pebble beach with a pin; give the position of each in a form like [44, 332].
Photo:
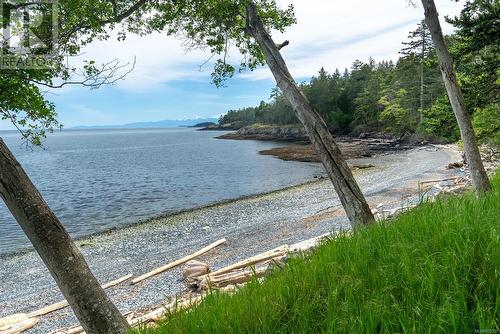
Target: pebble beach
[251, 225]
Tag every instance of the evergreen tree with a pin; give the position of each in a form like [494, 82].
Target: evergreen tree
[476, 47]
[419, 46]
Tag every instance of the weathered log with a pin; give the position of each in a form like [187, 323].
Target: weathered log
[17, 323]
[178, 262]
[57, 306]
[199, 283]
[117, 281]
[277, 252]
[70, 330]
[158, 313]
[306, 245]
[231, 278]
[202, 282]
[12, 320]
[440, 180]
[454, 165]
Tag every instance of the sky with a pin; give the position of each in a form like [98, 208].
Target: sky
[168, 82]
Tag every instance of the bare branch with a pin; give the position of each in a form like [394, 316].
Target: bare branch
[106, 75]
[206, 61]
[282, 45]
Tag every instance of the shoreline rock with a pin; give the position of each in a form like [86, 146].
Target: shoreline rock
[289, 133]
[351, 148]
[363, 146]
[223, 127]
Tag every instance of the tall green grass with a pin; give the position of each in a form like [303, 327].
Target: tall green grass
[433, 270]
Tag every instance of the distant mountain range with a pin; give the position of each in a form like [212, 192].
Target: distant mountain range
[171, 123]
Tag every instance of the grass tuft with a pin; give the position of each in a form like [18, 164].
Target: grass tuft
[432, 270]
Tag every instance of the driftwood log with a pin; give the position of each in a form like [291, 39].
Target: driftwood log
[178, 262]
[231, 278]
[227, 280]
[277, 252]
[245, 270]
[152, 316]
[17, 323]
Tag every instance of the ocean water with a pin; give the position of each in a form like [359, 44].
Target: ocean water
[98, 179]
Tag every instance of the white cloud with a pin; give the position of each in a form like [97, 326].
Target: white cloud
[332, 34]
[159, 59]
[329, 33]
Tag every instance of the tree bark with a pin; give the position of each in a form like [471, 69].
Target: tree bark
[66, 264]
[421, 115]
[350, 195]
[478, 174]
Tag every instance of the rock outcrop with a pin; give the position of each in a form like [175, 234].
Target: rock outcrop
[293, 133]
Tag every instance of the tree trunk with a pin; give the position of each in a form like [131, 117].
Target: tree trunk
[478, 174]
[422, 79]
[421, 113]
[94, 310]
[350, 195]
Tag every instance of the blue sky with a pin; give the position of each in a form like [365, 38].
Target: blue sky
[167, 82]
[175, 99]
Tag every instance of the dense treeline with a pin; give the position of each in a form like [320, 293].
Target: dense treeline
[407, 96]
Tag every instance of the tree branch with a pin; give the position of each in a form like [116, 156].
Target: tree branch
[282, 45]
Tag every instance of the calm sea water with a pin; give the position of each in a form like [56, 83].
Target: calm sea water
[98, 179]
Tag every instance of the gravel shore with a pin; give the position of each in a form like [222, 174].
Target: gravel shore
[251, 225]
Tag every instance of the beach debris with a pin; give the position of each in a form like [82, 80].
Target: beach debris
[254, 267]
[153, 315]
[440, 180]
[195, 268]
[231, 278]
[427, 191]
[272, 254]
[178, 262]
[60, 305]
[175, 306]
[307, 245]
[454, 165]
[77, 329]
[135, 319]
[355, 167]
[17, 323]
[12, 320]
[217, 278]
[26, 321]
[228, 279]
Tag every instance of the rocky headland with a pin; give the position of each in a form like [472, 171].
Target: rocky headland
[300, 148]
[288, 133]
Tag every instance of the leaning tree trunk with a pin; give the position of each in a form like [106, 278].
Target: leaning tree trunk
[478, 174]
[421, 115]
[91, 305]
[350, 195]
